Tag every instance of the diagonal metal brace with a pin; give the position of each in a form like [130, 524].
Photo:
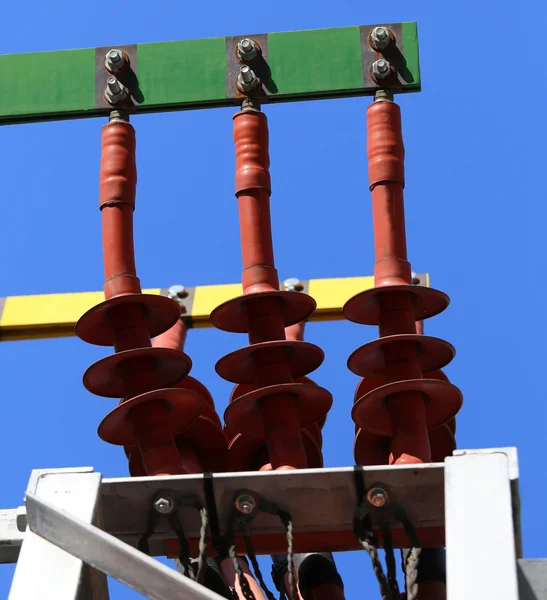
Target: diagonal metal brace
[110, 555]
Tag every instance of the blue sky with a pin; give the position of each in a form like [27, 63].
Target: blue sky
[475, 206]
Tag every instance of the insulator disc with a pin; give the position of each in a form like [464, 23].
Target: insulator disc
[189, 383]
[364, 308]
[185, 407]
[315, 431]
[442, 443]
[431, 354]
[232, 315]
[366, 385]
[238, 366]
[116, 376]
[244, 454]
[442, 402]
[370, 449]
[244, 415]
[207, 440]
[96, 327]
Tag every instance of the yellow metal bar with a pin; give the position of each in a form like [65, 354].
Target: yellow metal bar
[55, 315]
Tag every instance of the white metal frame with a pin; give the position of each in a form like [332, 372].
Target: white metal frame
[69, 546]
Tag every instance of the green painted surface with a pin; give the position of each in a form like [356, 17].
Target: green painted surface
[189, 74]
[181, 72]
[411, 52]
[305, 62]
[47, 82]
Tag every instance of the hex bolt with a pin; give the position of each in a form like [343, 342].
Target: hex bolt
[164, 505]
[114, 60]
[175, 292]
[380, 38]
[246, 504]
[381, 68]
[115, 92]
[247, 49]
[246, 80]
[377, 496]
[292, 284]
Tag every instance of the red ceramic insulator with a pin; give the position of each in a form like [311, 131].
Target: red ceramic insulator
[201, 445]
[370, 449]
[406, 404]
[152, 411]
[277, 407]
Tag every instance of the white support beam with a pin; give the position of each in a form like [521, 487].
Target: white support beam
[108, 554]
[481, 556]
[45, 571]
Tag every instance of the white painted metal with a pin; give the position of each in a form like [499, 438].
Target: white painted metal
[111, 556]
[480, 535]
[43, 570]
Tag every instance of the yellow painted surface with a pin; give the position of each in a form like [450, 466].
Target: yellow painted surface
[55, 315]
[208, 297]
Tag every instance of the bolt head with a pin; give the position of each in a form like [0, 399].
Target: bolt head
[115, 60]
[380, 37]
[164, 505]
[292, 284]
[381, 68]
[247, 80]
[377, 496]
[115, 92]
[175, 292]
[246, 504]
[247, 49]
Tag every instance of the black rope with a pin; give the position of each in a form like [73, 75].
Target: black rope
[390, 560]
[153, 518]
[413, 558]
[184, 553]
[254, 562]
[217, 540]
[362, 527]
[243, 583]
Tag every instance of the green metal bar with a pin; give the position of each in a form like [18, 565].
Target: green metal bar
[191, 74]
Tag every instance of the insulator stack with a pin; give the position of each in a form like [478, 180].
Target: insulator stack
[201, 445]
[278, 407]
[403, 404]
[247, 454]
[370, 449]
[152, 412]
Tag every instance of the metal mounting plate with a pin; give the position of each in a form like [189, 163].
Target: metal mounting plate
[323, 525]
[190, 74]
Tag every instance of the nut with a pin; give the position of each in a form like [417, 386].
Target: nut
[381, 69]
[246, 504]
[246, 80]
[377, 496]
[164, 505]
[115, 92]
[380, 38]
[114, 60]
[247, 49]
[292, 284]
